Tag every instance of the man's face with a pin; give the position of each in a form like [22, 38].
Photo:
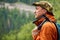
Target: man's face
[39, 11]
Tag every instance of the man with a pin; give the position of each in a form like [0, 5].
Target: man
[46, 30]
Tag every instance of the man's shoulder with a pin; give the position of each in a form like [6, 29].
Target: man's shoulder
[48, 24]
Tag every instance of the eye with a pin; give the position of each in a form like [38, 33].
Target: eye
[36, 8]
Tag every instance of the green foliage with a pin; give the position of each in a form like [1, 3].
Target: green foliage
[3, 21]
[23, 34]
[57, 16]
[29, 2]
[11, 21]
[10, 1]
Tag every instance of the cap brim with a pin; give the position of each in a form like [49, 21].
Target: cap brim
[36, 4]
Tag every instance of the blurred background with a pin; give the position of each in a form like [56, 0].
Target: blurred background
[16, 17]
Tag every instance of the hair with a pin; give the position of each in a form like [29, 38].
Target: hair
[50, 13]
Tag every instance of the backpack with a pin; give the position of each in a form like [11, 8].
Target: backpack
[56, 24]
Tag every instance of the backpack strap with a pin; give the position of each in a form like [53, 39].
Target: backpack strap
[46, 19]
[39, 27]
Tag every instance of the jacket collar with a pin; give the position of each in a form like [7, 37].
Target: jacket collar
[41, 19]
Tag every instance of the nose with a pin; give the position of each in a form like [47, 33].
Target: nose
[36, 11]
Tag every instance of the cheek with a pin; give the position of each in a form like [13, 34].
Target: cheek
[38, 13]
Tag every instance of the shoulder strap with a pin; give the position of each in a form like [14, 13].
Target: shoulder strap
[46, 19]
[39, 27]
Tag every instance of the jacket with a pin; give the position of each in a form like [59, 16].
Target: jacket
[48, 30]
